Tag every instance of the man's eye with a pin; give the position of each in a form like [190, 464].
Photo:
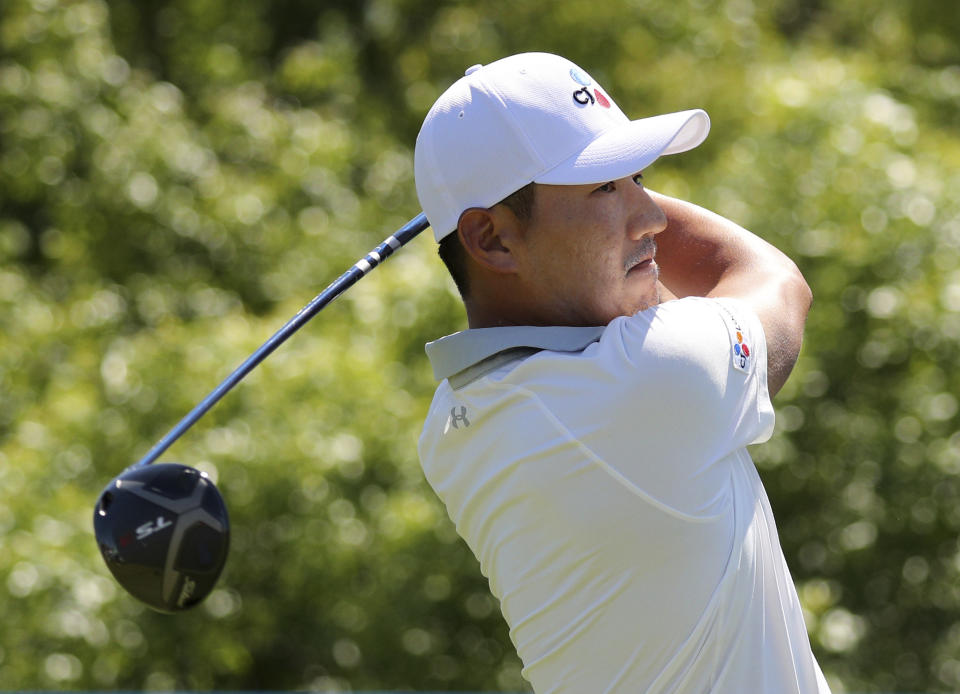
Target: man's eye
[607, 187]
[638, 179]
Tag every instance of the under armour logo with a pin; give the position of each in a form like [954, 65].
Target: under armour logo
[457, 419]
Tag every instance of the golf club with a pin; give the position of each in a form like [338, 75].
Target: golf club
[163, 530]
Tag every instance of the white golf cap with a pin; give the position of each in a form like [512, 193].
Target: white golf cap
[533, 117]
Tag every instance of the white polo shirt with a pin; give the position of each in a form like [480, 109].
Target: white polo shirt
[601, 478]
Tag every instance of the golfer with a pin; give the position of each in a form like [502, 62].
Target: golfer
[589, 433]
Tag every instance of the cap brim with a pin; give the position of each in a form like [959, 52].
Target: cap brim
[624, 150]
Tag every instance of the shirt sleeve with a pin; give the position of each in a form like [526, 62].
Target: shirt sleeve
[670, 395]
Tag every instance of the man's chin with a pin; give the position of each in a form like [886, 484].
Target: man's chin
[654, 299]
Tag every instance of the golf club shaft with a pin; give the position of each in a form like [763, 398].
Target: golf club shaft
[335, 289]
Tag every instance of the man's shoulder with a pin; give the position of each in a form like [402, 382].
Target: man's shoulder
[698, 335]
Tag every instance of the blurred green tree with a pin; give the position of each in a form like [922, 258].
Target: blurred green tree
[178, 178]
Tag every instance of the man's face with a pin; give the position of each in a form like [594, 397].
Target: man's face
[586, 256]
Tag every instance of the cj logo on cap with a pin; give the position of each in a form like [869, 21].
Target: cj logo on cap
[584, 96]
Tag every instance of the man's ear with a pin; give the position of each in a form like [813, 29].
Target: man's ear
[489, 236]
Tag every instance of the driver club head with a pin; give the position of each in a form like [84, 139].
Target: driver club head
[164, 533]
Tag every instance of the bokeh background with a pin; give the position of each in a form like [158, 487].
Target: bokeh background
[179, 177]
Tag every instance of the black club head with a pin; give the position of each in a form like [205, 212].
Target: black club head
[164, 533]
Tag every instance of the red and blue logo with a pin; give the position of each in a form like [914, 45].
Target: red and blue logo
[584, 96]
[741, 351]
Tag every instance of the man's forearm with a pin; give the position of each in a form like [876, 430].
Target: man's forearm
[700, 252]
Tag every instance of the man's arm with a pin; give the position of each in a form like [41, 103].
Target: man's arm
[702, 254]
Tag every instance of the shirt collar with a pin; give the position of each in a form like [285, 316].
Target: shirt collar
[452, 354]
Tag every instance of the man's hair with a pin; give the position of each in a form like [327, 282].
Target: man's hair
[454, 256]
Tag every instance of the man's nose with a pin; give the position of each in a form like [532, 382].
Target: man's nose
[648, 219]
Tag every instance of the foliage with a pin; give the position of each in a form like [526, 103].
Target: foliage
[178, 177]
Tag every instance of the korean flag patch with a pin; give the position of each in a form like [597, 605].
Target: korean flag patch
[741, 351]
